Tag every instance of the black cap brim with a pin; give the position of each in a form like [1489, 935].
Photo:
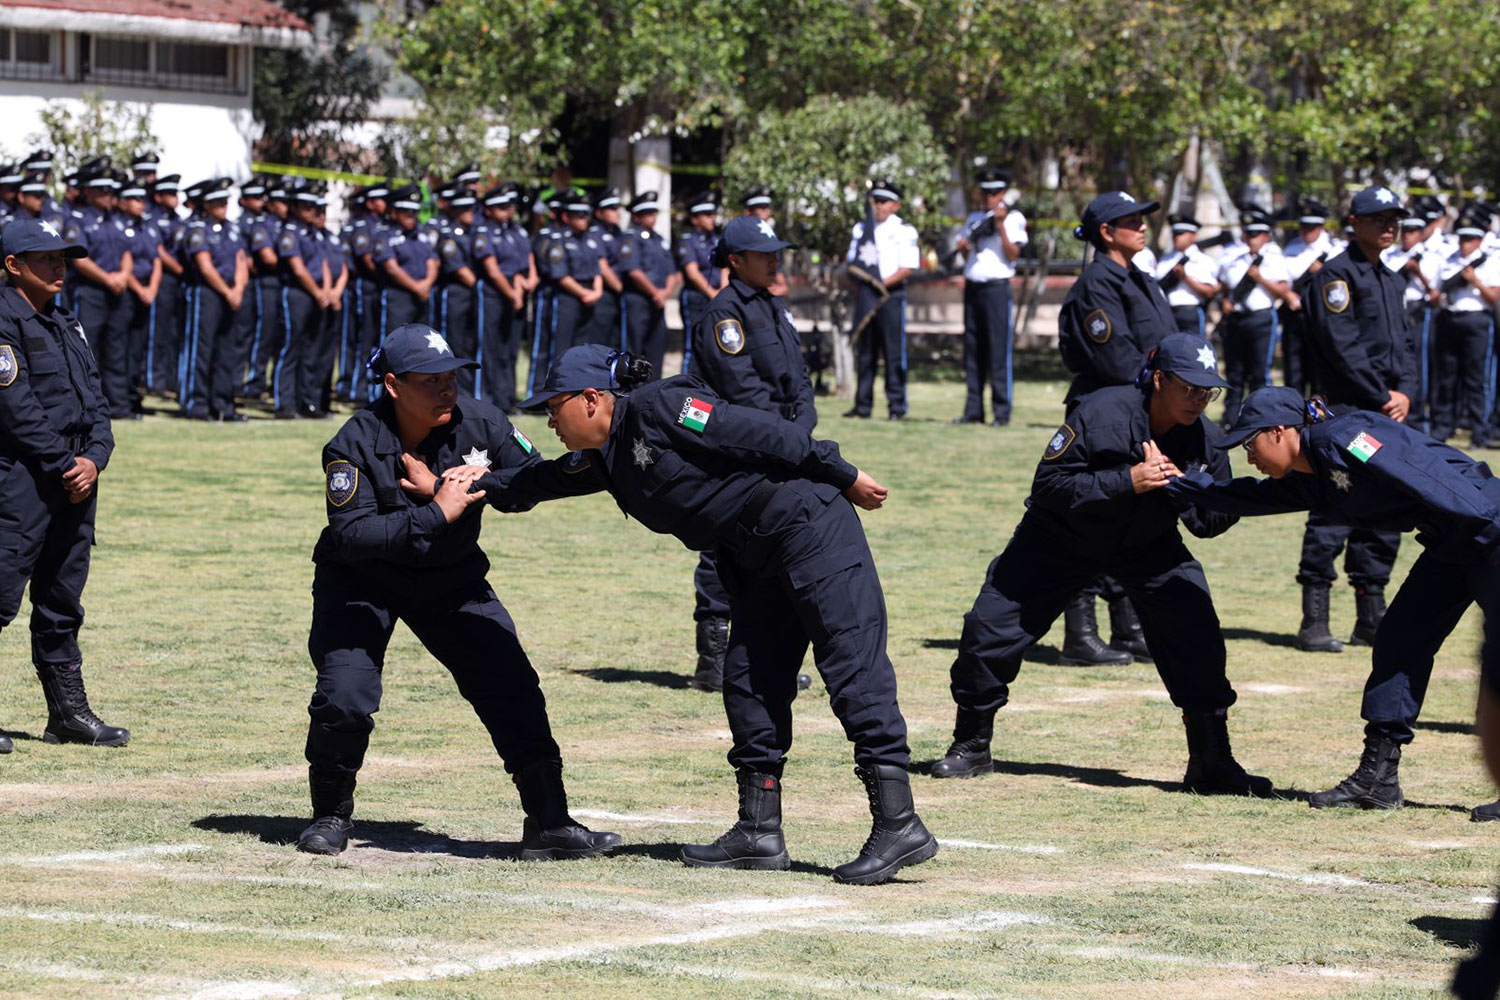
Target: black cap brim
[439, 365]
[1203, 378]
[1238, 436]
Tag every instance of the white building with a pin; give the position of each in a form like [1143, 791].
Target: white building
[191, 62]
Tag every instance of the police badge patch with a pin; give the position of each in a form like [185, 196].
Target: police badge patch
[1336, 296]
[8, 367]
[730, 336]
[1059, 443]
[343, 481]
[1098, 327]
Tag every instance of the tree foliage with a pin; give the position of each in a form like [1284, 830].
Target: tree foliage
[98, 127]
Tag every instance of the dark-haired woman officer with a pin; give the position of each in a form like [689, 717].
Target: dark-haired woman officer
[1097, 506]
[1366, 470]
[792, 553]
[400, 544]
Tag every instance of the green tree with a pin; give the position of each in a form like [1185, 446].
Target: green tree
[116, 129]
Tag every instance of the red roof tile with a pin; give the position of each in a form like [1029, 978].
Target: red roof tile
[249, 13]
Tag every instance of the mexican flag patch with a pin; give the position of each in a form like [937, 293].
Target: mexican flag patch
[694, 414]
[522, 440]
[1364, 446]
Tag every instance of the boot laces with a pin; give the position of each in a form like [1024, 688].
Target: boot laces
[967, 746]
[77, 703]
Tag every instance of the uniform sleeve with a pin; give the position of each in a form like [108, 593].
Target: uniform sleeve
[1337, 333]
[23, 418]
[732, 374]
[908, 254]
[197, 239]
[1204, 522]
[452, 256]
[683, 253]
[99, 440]
[521, 488]
[1066, 478]
[260, 237]
[1418, 471]
[360, 531]
[552, 260]
[1106, 333]
[482, 247]
[288, 247]
[807, 408]
[1274, 268]
[1246, 496]
[628, 253]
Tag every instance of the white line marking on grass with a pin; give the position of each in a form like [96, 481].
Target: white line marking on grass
[990, 921]
[1272, 688]
[1112, 953]
[1338, 880]
[793, 983]
[657, 818]
[979, 845]
[742, 907]
[196, 926]
[140, 985]
[1443, 845]
[124, 854]
[1485, 900]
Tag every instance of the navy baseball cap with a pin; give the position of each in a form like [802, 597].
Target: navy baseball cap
[749, 233]
[1377, 199]
[1108, 207]
[587, 366]
[1271, 406]
[1190, 358]
[416, 347]
[36, 236]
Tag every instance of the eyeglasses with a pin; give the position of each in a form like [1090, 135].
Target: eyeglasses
[1198, 394]
[558, 404]
[1250, 441]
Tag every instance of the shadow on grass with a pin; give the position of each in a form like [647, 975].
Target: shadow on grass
[1302, 795]
[20, 735]
[1456, 728]
[671, 852]
[1103, 777]
[1460, 932]
[624, 675]
[1269, 638]
[1033, 654]
[402, 836]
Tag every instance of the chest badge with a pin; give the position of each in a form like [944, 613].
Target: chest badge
[1340, 478]
[1098, 326]
[730, 336]
[1336, 296]
[8, 367]
[478, 456]
[640, 453]
[343, 482]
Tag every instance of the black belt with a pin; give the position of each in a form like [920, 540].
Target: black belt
[760, 498]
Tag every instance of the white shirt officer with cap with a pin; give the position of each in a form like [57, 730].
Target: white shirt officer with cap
[1240, 258]
[1198, 268]
[895, 240]
[992, 256]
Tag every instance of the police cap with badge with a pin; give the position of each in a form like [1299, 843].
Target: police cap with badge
[1267, 407]
[574, 201]
[993, 180]
[747, 233]
[1254, 219]
[501, 194]
[1108, 207]
[22, 236]
[167, 184]
[586, 366]
[1377, 199]
[756, 197]
[703, 203]
[608, 198]
[643, 202]
[406, 199]
[1183, 223]
[1188, 358]
[885, 189]
[1311, 212]
[416, 348]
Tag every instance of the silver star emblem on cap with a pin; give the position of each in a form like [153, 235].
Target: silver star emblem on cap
[1206, 357]
[1340, 479]
[641, 453]
[1384, 196]
[767, 230]
[1125, 196]
[49, 229]
[478, 456]
[437, 343]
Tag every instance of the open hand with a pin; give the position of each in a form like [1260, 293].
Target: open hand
[1154, 470]
[453, 498]
[419, 480]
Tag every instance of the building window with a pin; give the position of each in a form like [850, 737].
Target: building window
[186, 59]
[123, 55]
[27, 55]
[161, 65]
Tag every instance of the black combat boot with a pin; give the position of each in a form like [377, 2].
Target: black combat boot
[1082, 646]
[713, 643]
[755, 840]
[1212, 769]
[5, 744]
[1487, 813]
[549, 833]
[970, 753]
[332, 808]
[69, 718]
[897, 837]
[1125, 633]
[1369, 608]
[1313, 636]
[1373, 785]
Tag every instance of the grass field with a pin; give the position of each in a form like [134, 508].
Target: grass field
[1078, 871]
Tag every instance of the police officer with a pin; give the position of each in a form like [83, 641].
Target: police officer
[884, 250]
[607, 326]
[568, 263]
[144, 287]
[748, 354]
[1255, 280]
[1361, 343]
[701, 281]
[144, 166]
[300, 254]
[99, 295]
[1469, 280]
[261, 231]
[56, 442]
[507, 273]
[992, 239]
[335, 300]
[757, 203]
[164, 340]
[34, 201]
[408, 265]
[218, 274]
[40, 162]
[1305, 255]
[771, 500]
[1112, 317]
[10, 183]
[400, 545]
[1189, 276]
[1363, 468]
[1097, 505]
[456, 307]
[365, 232]
[1413, 261]
[651, 279]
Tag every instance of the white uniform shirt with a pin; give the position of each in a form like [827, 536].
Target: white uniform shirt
[1300, 254]
[1235, 264]
[1467, 298]
[1427, 262]
[895, 247]
[987, 260]
[1198, 265]
[1145, 260]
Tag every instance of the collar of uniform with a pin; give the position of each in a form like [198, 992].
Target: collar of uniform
[1358, 258]
[744, 291]
[388, 437]
[1109, 264]
[622, 404]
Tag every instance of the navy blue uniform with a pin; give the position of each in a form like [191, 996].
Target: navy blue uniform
[1372, 473]
[1084, 519]
[261, 313]
[212, 366]
[294, 385]
[142, 238]
[1112, 317]
[365, 235]
[1360, 338]
[791, 551]
[386, 556]
[105, 315]
[561, 318]
[164, 342]
[456, 308]
[52, 410]
[645, 251]
[499, 322]
[411, 254]
[335, 327]
[696, 247]
[607, 325]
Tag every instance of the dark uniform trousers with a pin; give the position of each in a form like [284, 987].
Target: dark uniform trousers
[105, 317]
[560, 320]
[367, 312]
[319, 375]
[243, 334]
[1027, 586]
[266, 332]
[142, 316]
[710, 599]
[162, 340]
[347, 333]
[646, 330]
[1249, 350]
[301, 324]
[400, 307]
[468, 631]
[456, 318]
[211, 368]
[987, 348]
[1296, 348]
[1370, 555]
[690, 303]
[45, 539]
[495, 325]
[1423, 319]
[805, 576]
[1190, 319]
[885, 336]
[607, 325]
[1464, 393]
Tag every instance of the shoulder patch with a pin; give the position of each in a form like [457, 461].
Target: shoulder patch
[9, 369]
[1097, 325]
[1336, 296]
[729, 335]
[522, 440]
[343, 481]
[695, 414]
[1061, 442]
[556, 252]
[1364, 446]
